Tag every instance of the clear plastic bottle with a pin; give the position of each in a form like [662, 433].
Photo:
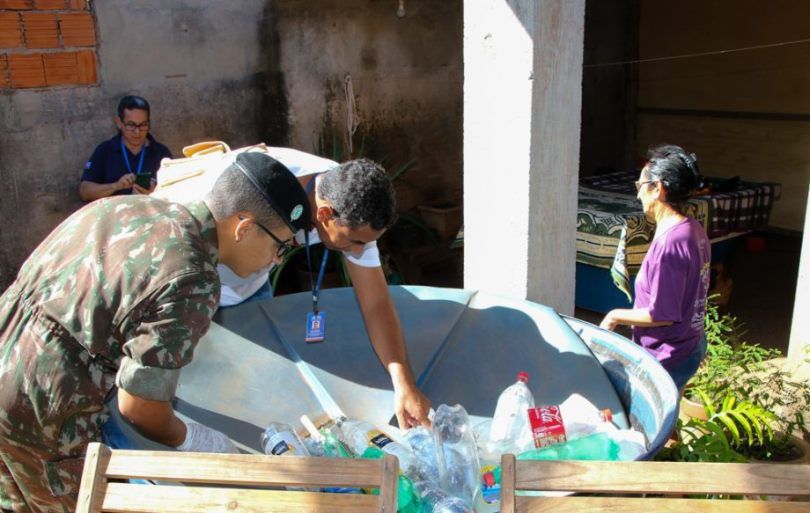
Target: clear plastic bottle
[360, 434]
[435, 500]
[456, 453]
[599, 446]
[420, 439]
[279, 439]
[510, 423]
[325, 443]
[573, 418]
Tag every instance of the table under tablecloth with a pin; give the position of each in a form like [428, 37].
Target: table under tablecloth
[613, 232]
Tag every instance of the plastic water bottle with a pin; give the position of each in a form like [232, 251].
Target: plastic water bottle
[599, 446]
[325, 443]
[423, 446]
[436, 500]
[279, 439]
[456, 453]
[360, 434]
[510, 425]
[573, 418]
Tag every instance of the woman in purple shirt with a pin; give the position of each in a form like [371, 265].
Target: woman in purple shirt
[671, 286]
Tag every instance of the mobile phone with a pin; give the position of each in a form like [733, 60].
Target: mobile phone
[144, 180]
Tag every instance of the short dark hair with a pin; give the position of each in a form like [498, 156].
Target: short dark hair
[130, 102]
[676, 170]
[360, 193]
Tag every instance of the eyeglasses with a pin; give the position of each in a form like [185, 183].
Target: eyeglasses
[132, 127]
[283, 246]
[639, 184]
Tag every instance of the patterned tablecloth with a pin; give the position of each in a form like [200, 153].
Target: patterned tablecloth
[613, 233]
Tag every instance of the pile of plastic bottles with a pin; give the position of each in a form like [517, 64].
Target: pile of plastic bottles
[453, 467]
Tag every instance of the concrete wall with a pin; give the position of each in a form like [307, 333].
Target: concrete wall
[743, 113]
[206, 68]
[407, 79]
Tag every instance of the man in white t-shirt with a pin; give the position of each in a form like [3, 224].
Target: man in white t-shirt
[352, 205]
[305, 167]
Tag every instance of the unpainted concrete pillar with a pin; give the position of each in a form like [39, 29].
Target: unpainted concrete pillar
[800, 328]
[522, 102]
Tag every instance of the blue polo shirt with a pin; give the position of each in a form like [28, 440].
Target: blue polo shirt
[107, 164]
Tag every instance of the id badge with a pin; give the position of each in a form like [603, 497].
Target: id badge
[316, 326]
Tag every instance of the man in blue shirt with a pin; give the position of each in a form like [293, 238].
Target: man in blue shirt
[127, 163]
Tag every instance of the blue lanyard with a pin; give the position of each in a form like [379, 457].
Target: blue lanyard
[316, 287]
[126, 158]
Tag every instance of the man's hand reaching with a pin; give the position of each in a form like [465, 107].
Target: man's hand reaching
[411, 407]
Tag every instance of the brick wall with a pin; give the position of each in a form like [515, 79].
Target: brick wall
[47, 43]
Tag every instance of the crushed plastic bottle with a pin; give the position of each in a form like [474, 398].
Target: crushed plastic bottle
[436, 500]
[360, 434]
[596, 447]
[456, 453]
[423, 446]
[573, 418]
[325, 443]
[329, 445]
[509, 431]
[279, 439]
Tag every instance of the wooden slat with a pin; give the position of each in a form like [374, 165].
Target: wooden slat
[134, 498]
[244, 469]
[664, 477]
[389, 485]
[508, 483]
[95, 462]
[639, 505]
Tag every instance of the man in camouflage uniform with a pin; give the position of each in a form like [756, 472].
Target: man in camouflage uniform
[118, 295]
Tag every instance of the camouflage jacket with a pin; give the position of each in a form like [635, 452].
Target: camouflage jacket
[132, 282]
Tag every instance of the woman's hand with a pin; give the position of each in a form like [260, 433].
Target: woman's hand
[609, 322]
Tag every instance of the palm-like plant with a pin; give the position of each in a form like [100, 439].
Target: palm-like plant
[731, 427]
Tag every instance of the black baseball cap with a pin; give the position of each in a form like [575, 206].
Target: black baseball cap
[278, 186]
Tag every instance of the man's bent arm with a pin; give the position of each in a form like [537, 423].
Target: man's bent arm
[90, 191]
[154, 419]
[385, 332]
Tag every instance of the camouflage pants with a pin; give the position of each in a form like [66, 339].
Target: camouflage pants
[51, 407]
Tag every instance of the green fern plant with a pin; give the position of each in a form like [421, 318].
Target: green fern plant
[731, 427]
[746, 422]
[729, 359]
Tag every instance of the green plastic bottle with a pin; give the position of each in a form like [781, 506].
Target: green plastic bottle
[407, 500]
[598, 446]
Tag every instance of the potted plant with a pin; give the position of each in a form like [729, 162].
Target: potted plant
[746, 401]
[729, 359]
[445, 219]
[729, 426]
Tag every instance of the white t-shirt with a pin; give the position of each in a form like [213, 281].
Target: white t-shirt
[236, 289]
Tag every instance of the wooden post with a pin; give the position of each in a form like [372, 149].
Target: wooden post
[389, 485]
[508, 480]
[93, 478]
